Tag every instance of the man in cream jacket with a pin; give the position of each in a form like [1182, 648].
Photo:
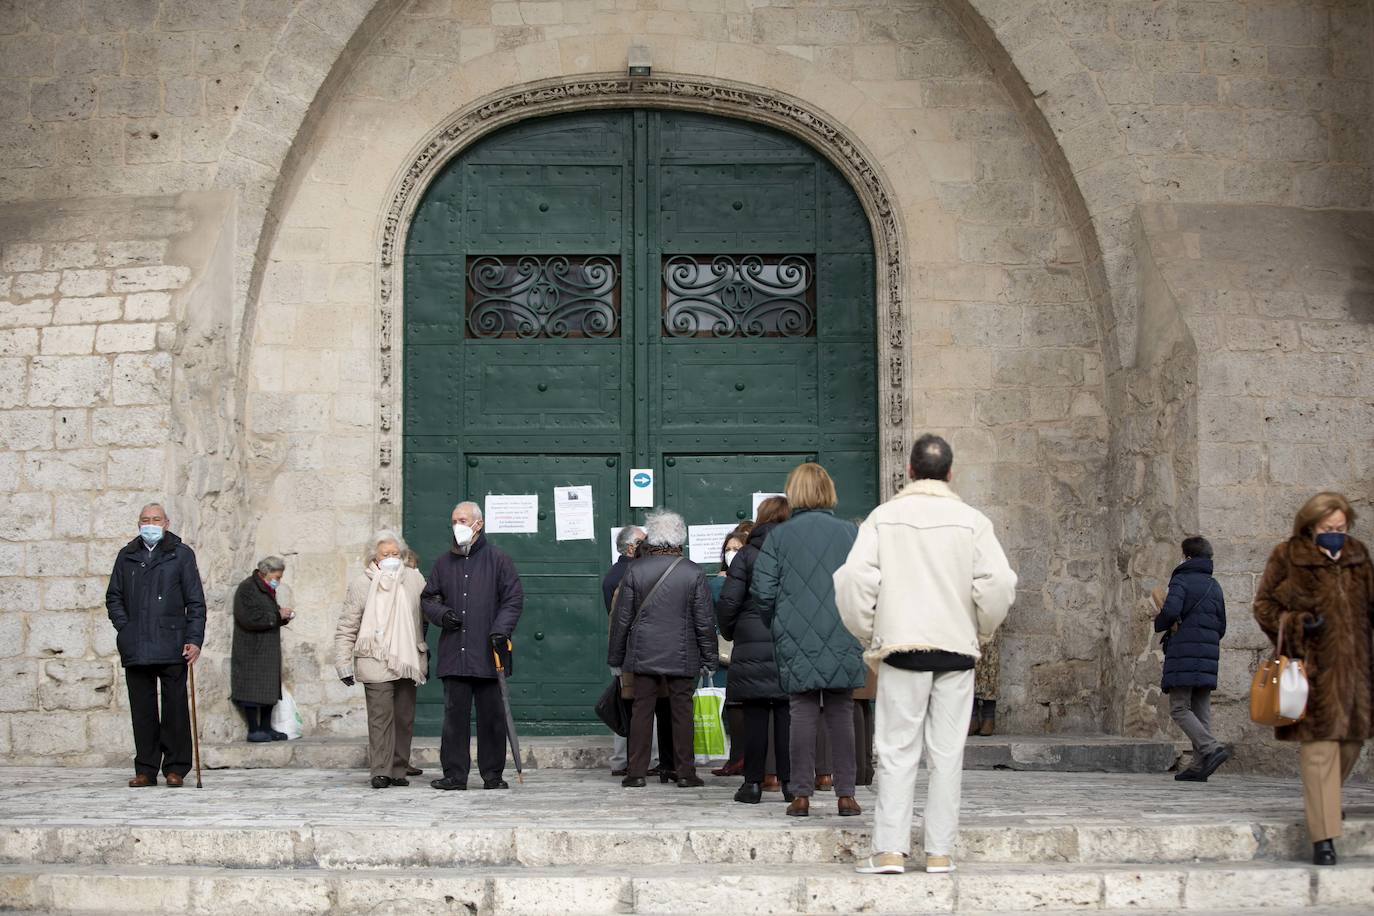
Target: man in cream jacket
[924, 581]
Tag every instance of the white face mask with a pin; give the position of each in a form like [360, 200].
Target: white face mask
[730, 557]
[463, 535]
[390, 564]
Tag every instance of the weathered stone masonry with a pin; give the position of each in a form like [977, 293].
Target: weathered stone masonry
[1109, 211]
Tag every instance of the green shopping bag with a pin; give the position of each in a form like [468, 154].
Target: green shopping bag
[710, 739]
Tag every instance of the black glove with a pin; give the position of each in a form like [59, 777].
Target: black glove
[1314, 626]
[451, 621]
[348, 681]
[501, 646]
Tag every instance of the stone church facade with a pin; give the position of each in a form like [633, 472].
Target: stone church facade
[1123, 260]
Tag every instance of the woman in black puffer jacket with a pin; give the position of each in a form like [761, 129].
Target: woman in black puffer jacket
[1194, 616]
[753, 673]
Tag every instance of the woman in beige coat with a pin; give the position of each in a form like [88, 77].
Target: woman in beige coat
[380, 642]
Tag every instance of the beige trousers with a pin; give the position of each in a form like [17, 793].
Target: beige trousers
[390, 726]
[1325, 765]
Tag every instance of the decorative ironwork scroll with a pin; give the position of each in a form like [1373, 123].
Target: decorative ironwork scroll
[739, 296]
[543, 296]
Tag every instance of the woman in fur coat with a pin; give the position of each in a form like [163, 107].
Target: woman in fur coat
[1318, 590]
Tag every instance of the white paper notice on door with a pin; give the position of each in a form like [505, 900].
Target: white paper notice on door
[758, 498]
[705, 542]
[511, 513]
[572, 514]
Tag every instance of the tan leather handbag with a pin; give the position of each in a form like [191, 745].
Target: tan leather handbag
[1278, 691]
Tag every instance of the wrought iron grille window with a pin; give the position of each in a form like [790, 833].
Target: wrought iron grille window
[549, 296]
[739, 296]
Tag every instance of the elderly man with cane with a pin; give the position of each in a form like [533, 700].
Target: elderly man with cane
[157, 605]
[474, 595]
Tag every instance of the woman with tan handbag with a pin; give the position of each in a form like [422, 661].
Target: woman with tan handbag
[1318, 589]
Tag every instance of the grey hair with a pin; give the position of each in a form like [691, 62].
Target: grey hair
[476, 509]
[627, 536]
[385, 536]
[158, 505]
[271, 564]
[665, 528]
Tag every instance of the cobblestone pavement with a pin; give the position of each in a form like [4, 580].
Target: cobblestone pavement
[592, 799]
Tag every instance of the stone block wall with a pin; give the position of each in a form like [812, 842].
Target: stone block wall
[93, 300]
[1279, 306]
[1098, 317]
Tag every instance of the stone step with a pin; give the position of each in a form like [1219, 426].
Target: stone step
[1055, 753]
[687, 889]
[488, 844]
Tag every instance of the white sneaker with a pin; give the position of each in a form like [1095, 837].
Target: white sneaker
[883, 863]
[939, 865]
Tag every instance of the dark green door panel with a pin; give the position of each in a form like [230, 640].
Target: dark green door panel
[543, 387]
[758, 355]
[561, 640]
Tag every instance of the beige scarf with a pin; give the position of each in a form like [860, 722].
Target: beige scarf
[387, 632]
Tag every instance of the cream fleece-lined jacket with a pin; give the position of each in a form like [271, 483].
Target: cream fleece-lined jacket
[925, 573]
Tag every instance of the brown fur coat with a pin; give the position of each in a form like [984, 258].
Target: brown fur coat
[1302, 582]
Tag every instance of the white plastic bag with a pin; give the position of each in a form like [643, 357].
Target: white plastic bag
[286, 718]
[1292, 692]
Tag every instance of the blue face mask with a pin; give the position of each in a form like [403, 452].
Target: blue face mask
[151, 534]
[272, 583]
[1331, 541]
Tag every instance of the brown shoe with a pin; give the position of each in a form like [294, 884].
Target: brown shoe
[824, 781]
[620, 772]
[800, 807]
[414, 771]
[142, 781]
[771, 783]
[174, 780]
[849, 807]
[987, 728]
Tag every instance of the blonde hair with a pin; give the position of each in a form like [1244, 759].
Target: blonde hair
[1318, 508]
[810, 487]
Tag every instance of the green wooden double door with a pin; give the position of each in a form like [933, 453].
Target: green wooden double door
[600, 292]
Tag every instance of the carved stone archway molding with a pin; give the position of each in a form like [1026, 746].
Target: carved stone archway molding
[557, 96]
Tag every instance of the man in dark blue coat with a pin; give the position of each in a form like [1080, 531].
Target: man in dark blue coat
[473, 594]
[1193, 617]
[157, 605]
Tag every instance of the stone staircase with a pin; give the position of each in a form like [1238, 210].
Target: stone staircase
[573, 841]
[1057, 753]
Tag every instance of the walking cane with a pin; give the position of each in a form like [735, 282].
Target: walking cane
[195, 723]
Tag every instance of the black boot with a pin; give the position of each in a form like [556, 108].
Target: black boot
[1323, 853]
[751, 793]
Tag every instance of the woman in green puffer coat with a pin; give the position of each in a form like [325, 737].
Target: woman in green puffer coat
[819, 662]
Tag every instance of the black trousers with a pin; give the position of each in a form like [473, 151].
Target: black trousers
[863, 742]
[162, 743]
[455, 754]
[756, 735]
[680, 715]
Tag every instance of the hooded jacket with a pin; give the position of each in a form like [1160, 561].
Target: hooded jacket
[156, 602]
[753, 672]
[1196, 604]
[926, 572]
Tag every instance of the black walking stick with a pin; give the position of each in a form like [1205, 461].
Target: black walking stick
[510, 719]
[195, 723]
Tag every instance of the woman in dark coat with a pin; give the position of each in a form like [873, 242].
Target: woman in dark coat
[1318, 592]
[1194, 617]
[255, 665]
[662, 633]
[753, 674]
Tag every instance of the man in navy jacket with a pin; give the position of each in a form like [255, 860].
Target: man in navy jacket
[157, 605]
[473, 594]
